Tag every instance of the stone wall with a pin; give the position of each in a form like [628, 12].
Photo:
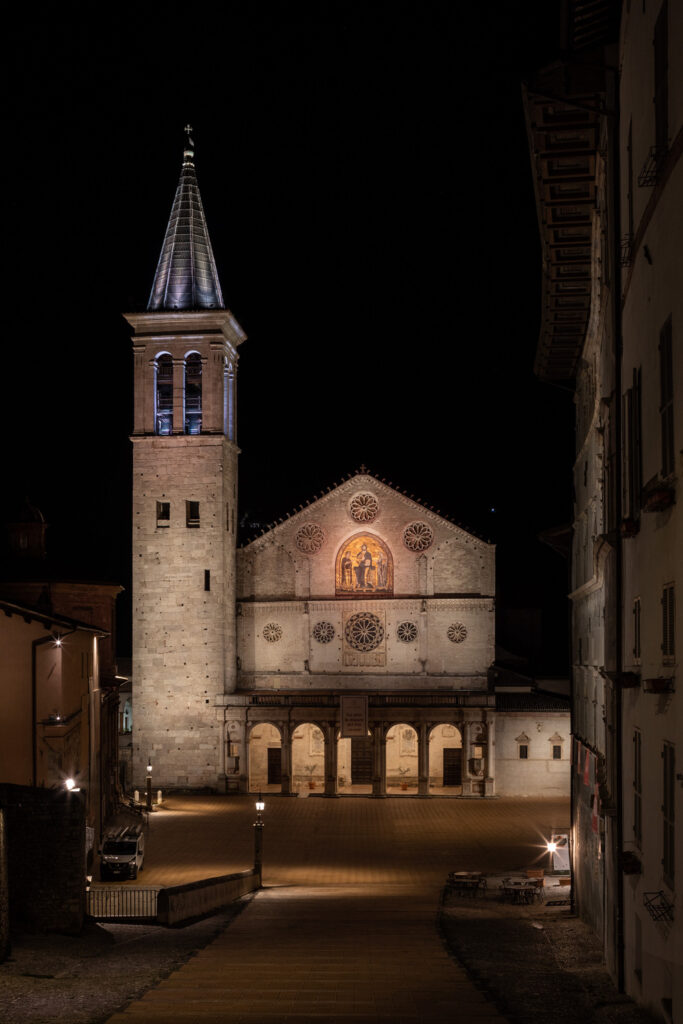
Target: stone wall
[183, 633]
[45, 843]
[538, 774]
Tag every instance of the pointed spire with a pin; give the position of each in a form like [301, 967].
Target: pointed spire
[186, 275]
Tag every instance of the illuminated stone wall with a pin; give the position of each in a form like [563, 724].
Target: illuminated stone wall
[538, 772]
[365, 583]
[183, 634]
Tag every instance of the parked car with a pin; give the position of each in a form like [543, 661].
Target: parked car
[123, 853]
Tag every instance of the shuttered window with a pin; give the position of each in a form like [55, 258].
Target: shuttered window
[666, 405]
[669, 768]
[668, 617]
[638, 787]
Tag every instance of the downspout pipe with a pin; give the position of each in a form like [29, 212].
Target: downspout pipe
[619, 561]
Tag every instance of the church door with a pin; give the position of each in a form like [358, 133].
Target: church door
[274, 766]
[452, 766]
[361, 761]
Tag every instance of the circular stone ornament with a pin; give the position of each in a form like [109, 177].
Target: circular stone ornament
[364, 508]
[418, 536]
[406, 632]
[364, 631]
[323, 632]
[457, 632]
[272, 632]
[310, 538]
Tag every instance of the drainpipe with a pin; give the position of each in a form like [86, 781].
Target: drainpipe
[615, 123]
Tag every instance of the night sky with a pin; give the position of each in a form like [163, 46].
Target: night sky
[366, 180]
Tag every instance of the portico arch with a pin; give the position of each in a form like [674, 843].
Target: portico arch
[308, 758]
[445, 759]
[264, 745]
[402, 759]
[355, 764]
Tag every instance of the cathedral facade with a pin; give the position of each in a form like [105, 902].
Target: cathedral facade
[345, 650]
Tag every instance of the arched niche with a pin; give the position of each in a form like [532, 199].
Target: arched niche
[364, 565]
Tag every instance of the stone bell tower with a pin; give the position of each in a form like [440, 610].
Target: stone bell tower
[184, 506]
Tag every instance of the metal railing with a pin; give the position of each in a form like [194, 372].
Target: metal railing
[107, 902]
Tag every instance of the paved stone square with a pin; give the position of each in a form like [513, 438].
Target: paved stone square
[350, 840]
[345, 929]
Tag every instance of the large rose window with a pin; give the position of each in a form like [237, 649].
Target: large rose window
[364, 631]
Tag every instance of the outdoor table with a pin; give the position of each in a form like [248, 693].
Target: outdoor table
[466, 883]
[519, 892]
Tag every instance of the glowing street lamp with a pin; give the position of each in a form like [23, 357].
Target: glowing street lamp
[258, 837]
[149, 786]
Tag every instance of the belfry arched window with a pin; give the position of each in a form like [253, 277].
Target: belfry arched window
[164, 395]
[193, 394]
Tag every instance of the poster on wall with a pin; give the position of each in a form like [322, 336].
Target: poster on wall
[354, 717]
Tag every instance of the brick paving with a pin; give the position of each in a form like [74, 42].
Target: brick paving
[345, 928]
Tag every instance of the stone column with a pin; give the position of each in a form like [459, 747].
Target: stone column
[238, 736]
[423, 759]
[490, 772]
[466, 747]
[379, 760]
[178, 396]
[330, 732]
[286, 763]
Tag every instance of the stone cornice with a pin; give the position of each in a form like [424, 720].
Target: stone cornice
[157, 326]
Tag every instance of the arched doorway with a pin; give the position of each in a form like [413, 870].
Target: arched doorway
[402, 760]
[355, 765]
[445, 760]
[265, 759]
[308, 758]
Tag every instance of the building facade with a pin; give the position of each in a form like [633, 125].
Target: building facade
[605, 132]
[348, 648]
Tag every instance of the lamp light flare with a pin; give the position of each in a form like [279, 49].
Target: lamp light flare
[552, 847]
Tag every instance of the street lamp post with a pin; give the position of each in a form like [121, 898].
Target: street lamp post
[149, 786]
[258, 837]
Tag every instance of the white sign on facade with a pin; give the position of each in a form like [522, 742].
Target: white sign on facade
[354, 717]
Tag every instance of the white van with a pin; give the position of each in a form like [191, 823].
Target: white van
[123, 853]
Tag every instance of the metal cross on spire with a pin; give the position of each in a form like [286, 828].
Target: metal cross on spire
[189, 145]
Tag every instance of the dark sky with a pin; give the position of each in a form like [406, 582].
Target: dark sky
[366, 180]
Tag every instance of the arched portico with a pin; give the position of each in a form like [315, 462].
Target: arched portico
[355, 762]
[402, 759]
[308, 758]
[445, 760]
[264, 742]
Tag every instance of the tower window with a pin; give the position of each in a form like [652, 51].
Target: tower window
[163, 513]
[164, 395]
[557, 752]
[193, 394]
[523, 752]
[192, 513]
[207, 579]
